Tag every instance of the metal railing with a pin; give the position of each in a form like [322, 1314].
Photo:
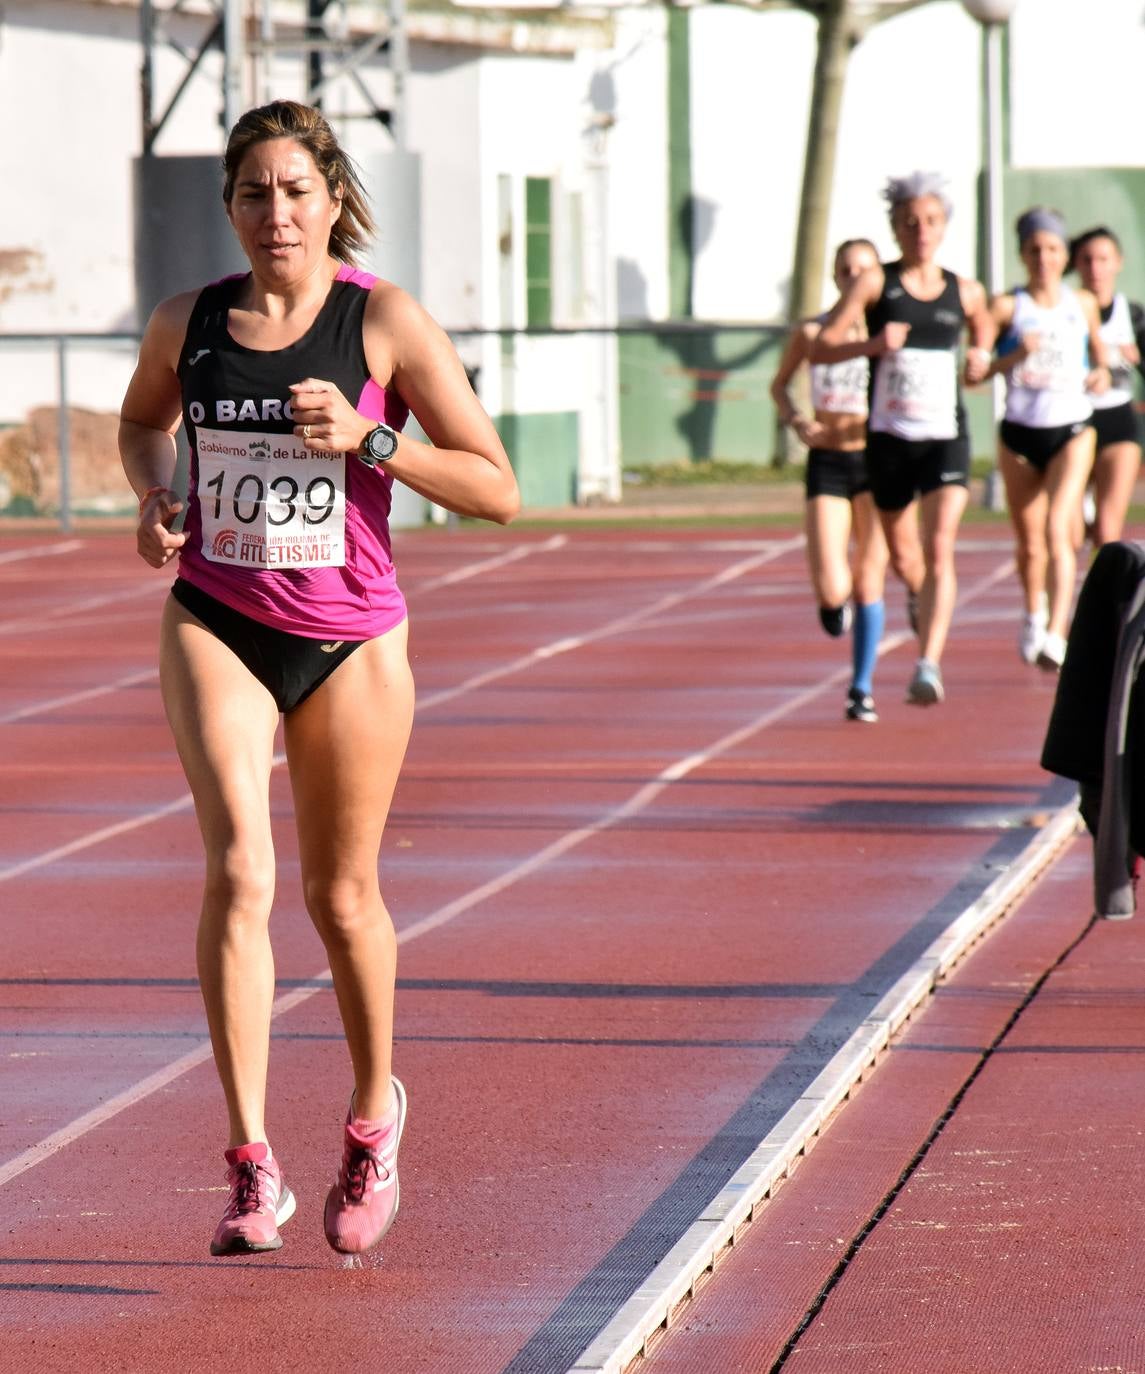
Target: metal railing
[63, 345]
[673, 391]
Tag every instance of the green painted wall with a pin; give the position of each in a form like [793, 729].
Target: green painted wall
[687, 395]
[695, 393]
[1086, 196]
[679, 166]
[544, 450]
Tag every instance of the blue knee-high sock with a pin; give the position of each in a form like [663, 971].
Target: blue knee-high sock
[868, 630]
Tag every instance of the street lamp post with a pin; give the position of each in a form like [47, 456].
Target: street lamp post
[993, 16]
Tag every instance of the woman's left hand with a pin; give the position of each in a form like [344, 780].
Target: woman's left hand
[324, 420]
[978, 362]
[1098, 381]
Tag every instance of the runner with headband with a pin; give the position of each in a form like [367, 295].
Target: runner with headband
[1052, 355]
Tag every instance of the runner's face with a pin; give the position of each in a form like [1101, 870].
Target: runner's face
[282, 210]
[919, 226]
[852, 263]
[1098, 263]
[1045, 256]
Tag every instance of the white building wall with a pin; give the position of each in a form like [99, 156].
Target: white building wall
[751, 85]
[636, 149]
[597, 123]
[911, 103]
[444, 94]
[1075, 83]
[749, 127]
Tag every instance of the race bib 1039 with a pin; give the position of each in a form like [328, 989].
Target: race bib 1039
[267, 501]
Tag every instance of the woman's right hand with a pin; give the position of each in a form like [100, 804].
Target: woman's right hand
[890, 338]
[1029, 343]
[155, 541]
[808, 432]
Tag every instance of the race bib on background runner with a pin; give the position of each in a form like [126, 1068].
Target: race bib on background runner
[267, 501]
[1054, 366]
[916, 394]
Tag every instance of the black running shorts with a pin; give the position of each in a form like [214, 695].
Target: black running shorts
[902, 469]
[836, 472]
[1039, 447]
[1116, 425]
[290, 667]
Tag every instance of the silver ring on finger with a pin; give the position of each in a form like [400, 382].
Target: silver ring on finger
[306, 431]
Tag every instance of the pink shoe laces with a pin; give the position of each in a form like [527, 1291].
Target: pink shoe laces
[357, 1163]
[246, 1185]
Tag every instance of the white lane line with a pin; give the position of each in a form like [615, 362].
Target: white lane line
[426, 704]
[617, 626]
[558, 541]
[642, 798]
[94, 837]
[41, 551]
[704, 1243]
[57, 703]
[134, 679]
[52, 618]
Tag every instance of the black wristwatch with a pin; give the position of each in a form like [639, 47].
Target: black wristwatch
[378, 446]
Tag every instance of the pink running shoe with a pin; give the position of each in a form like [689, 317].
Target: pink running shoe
[259, 1203]
[362, 1205]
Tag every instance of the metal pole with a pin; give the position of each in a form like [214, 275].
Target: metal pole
[147, 72]
[266, 33]
[994, 255]
[992, 43]
[232, 64]
[63, 439]
[399, 70]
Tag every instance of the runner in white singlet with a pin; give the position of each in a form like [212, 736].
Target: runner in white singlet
[1052, 356]
[1096, 257]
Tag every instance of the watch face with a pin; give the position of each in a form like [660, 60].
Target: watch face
[381, 443]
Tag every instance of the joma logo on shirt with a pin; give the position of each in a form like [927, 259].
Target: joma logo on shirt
[236, 411]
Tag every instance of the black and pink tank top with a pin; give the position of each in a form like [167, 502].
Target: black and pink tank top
[294, 539]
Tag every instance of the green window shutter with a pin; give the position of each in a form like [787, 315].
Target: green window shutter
[538, 252]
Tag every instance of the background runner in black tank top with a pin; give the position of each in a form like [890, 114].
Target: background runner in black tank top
[936, 324]
[918, 452]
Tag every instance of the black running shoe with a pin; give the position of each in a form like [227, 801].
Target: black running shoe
[861, 706]
[836, 620]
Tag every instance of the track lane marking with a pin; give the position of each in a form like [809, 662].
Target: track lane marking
[461, 574]
[74, 698]
[621, 623]
[41, 551]
[427, 703]
[642, 798]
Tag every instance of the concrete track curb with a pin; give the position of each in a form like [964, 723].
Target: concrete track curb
[674, 1280]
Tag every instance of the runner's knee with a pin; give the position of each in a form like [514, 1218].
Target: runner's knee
[344, 908]
[240, 882]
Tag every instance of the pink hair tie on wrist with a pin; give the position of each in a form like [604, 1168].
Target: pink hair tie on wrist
[148, 494]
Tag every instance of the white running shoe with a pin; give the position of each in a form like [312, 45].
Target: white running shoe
[925, 688]
[1031, 637]
[1051, 656]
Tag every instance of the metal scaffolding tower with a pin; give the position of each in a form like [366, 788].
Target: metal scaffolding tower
[252, 35]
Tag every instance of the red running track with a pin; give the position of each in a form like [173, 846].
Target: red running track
[646, 880]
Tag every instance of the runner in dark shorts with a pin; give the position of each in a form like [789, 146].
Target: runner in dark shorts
[838, 491]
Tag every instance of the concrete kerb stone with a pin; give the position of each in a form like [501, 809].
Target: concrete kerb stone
[652, 1306]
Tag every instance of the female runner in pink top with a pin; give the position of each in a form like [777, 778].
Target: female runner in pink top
[293, 382]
